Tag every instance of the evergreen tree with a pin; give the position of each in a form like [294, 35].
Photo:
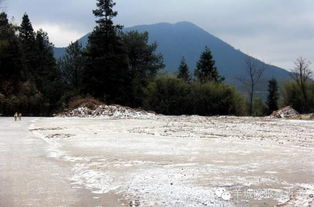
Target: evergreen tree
[183, 71]
[27, 40]
[11, 63]
[273, 95]
[26, 31]
[144, 63]
[206, 70]
[46, 64]
[142, 56]
[47, 76]
[71, 66]
[16, 91]
[106, 72]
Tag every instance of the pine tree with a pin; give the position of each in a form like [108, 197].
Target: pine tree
[105, 14]
[71, 66]
[16, 91]
[26, 31]
[47, 76]
[46, 64]
[273, 95]
[144, 60]
[11, 63]
[206, 70]
[144, 64]
[106, 72]
[183, 71]
[27, 40]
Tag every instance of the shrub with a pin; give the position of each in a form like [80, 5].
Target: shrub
[216, 99]
[172, 96]
[167, 95]
[292, 96]
[259, 107]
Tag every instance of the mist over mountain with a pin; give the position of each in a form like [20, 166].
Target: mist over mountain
[188, 40]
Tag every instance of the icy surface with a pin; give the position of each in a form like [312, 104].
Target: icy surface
[187, 160]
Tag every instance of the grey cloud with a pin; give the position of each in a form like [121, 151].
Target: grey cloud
[74, 14]
[251, 25]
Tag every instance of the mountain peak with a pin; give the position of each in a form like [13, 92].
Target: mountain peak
[187, 24]
[182, 24]
[189, 40]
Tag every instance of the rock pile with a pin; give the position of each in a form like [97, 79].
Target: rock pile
[286, 112]
[108, 111]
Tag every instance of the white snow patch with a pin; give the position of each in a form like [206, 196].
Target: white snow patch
[185, 161]
[110, 112]
[98, 182]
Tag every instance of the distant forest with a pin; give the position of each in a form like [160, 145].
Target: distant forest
[123, 68]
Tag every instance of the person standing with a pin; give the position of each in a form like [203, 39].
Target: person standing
[15, 116]
[20, 116]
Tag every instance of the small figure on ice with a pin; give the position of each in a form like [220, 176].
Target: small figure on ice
[15, 116]
[20, 116]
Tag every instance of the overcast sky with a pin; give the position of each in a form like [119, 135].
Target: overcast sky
[275, 31]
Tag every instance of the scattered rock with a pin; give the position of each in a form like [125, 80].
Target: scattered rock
[108, 111]
[286, 112]
[135, 203]
[59, 136]
[48, 129]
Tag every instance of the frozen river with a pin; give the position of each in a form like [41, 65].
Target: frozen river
[161, 161]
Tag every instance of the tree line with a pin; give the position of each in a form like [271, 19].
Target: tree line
[119, 67]
[29, 78]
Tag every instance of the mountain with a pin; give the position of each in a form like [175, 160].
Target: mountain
[188, 40]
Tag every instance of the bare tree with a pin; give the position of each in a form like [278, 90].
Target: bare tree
[253, 75]
[301, 74]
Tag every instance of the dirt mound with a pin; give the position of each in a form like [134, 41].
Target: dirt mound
[88, 102]
[286, 112]
[108, 111]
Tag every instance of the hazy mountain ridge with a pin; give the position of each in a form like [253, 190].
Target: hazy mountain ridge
[188, 40]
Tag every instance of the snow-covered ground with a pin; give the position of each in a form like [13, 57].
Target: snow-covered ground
[187, 160]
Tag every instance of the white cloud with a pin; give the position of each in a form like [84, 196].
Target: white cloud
[60, 36]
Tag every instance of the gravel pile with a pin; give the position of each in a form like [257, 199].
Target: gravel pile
[108, 111]
[286, 112]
